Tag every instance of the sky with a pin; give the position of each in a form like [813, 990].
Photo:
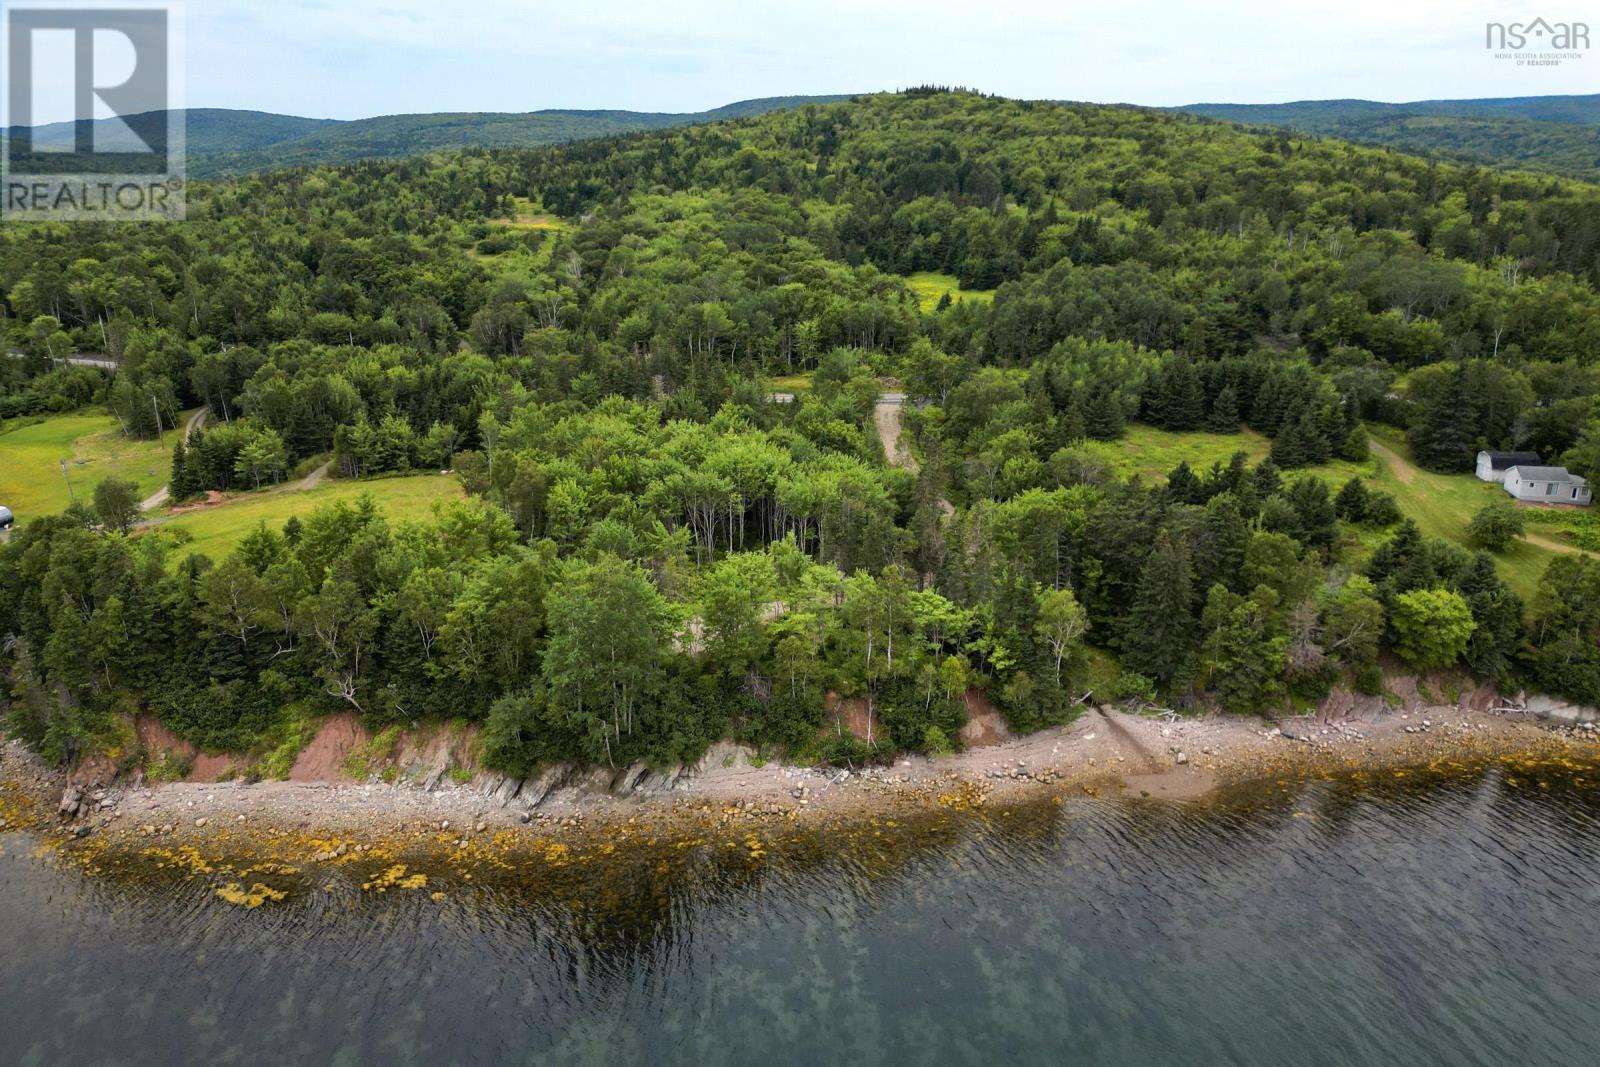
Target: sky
[356, 58]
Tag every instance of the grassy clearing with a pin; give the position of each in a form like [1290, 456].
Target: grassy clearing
[1440, 504]
[527, 215]
[95, 449]
[929, 287]
[790, 383]
[1152, 454]
[1443, 504]
[216, 530]
[536, 221]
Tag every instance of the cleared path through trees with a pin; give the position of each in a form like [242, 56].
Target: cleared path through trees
[162, 495]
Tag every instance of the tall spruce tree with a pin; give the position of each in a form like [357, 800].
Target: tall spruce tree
[1442, 440]
[1351, 503]
[1224, 416]
[1161, 627]
[1103, 414]
[182, 482]
[1181, 403]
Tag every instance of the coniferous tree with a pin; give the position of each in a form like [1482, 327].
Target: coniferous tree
[1179, 400]
[1103, 414]
[1289, 448]
[1070, 425]
[1220, 543]
[1183, 486]
[1498, 613]
[1314, 513]
[1161, 627]
[1266, 414]
[1442, 440]
[181, 482]
[1354, 448]
[1224, 412]
[1351, 503]
[1266, 478]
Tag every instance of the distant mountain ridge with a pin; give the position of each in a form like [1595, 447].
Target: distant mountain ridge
[1552, 134]
[223, 142]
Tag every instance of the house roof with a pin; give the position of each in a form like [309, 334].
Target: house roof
[1549, 474]
[1503, 460]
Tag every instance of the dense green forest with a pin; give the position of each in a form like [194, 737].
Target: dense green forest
[220, 143]
[1551, 134]
[654, 554]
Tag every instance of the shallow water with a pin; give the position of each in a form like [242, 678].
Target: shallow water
[1402, 919]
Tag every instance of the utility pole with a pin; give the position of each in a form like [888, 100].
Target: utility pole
[70, 494]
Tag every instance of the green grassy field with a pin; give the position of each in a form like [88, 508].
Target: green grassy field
[1440, 504]
[790, 383]
[1152, 453]
[530, 216]
[94, 447]
[929, 287]
[1443, 504]
[216, 530]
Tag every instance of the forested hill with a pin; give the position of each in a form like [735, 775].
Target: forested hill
[222, 142]
[654, 554]
[1553, 134]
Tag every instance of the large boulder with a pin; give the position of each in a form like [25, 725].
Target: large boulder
[724, 755]
[537, 787]
[71, 802]
[1558, 710]
[501, 788]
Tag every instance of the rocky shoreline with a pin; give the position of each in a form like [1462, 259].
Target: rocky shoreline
[1106, 752]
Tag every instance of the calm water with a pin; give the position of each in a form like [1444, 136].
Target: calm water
[1427, 919]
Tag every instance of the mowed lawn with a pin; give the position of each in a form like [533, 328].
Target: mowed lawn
[95, 448]
[1440, 504]
[216, 530]
[929, 287]
[1443, 504]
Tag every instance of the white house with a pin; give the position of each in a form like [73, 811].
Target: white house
[1547, 485]
[1492, 466]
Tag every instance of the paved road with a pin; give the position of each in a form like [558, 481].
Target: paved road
[82, 359]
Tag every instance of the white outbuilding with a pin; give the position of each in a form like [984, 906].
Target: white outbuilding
[1492, 466]
[1547, 485]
